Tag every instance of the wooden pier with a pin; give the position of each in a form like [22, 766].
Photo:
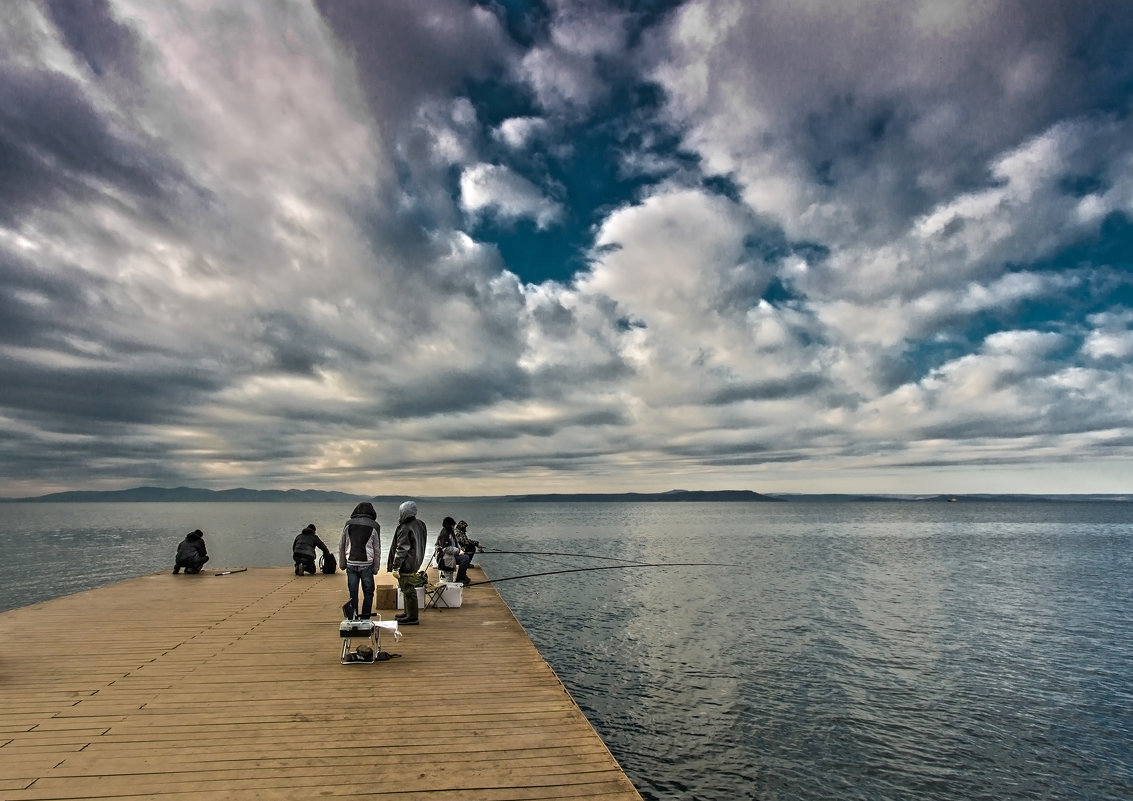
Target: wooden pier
[230, 687]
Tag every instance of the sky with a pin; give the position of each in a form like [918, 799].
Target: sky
[441, 247]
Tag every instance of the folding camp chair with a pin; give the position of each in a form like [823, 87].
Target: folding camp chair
[434, 593]
[367, 629]
[444, 595]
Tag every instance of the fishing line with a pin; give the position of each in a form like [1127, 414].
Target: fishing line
[601, 567]
[556, 553]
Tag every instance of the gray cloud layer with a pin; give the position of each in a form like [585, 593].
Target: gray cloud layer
[237, 248]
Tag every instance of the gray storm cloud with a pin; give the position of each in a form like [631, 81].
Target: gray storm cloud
[239, 246]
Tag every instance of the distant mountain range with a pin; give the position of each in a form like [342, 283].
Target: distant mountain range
[195, 495]
[672, 496]
[242, 495]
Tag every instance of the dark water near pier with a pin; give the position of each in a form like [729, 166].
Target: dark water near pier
[858, 650]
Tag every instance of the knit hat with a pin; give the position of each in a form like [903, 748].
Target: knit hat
[310, 527]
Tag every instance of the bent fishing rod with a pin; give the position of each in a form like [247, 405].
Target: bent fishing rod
[558, 553]
[600, 567]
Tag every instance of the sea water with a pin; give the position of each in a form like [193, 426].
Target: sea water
[792, 650]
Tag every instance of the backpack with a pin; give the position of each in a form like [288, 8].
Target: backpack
[328, 563]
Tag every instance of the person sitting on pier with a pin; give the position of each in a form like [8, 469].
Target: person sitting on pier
[360, 553]
[449, 555]
[303, 550]
[191, 553]
[405, 557]
[467, 545]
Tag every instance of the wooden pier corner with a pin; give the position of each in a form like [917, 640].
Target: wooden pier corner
[226, 687]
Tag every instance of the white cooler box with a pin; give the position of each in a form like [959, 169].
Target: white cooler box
[420, 598]
[452, 596]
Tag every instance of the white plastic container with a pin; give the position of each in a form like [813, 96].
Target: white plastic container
[452, 597]
[420, 599]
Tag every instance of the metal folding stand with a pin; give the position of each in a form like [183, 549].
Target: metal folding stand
[367, 629]
[433, 594]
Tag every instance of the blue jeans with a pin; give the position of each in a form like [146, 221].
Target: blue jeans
[462, 563]
[364, 574]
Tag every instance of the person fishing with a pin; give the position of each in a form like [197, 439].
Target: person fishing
[360, 554]
[450, 557]
[404, 560]
[469, 546]
[303, 550]
[191, 553]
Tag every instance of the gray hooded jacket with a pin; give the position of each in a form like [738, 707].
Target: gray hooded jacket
[407, 551]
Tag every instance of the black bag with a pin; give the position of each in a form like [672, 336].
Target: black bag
[328, 563]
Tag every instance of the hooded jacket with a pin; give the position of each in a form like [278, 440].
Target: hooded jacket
[306, 541]
[192, 548]
[407, 550]
[361, 542]
[445, 539]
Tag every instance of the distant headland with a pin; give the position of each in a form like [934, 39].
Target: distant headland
[243, 495]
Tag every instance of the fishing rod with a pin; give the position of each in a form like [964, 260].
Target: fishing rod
[557, 553]
[601, 567]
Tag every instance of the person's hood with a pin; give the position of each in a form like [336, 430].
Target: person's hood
[195, 535]
[406, 511]
[365, 509]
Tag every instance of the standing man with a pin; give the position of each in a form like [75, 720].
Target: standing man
[303, 550]
[360, 552]
[405, 555]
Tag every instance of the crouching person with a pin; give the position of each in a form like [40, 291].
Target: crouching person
[191, 553]
[303, 550]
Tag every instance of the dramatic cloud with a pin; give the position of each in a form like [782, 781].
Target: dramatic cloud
[449, 247]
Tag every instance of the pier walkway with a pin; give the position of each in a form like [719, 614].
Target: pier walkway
[229, 687]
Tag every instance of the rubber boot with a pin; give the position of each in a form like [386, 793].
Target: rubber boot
[410, 607]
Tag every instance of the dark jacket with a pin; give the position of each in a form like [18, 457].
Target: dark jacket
[408, 546]
[446, 538]
[306, 542]
[361, 541]
[192, 549]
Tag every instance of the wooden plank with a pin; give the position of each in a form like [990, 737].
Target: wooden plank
[230, 687]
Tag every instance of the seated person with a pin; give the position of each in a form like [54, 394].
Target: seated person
[450, 556]
[191, 553]
[303, 550]
[469, 546]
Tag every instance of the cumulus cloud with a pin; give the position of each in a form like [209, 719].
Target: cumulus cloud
[518, 132]
[495, 189]
[276, 245]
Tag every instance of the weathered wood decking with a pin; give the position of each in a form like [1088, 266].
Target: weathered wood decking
[230, 687]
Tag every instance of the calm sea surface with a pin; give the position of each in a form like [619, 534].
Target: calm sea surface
[834, 651]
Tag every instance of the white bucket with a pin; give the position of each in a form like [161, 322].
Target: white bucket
[420, 599]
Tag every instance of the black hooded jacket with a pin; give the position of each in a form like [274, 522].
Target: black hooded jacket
[192, 549]
[361, 538]
[306, 542]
